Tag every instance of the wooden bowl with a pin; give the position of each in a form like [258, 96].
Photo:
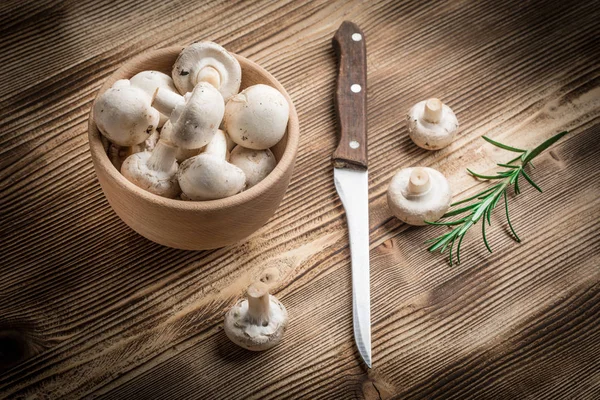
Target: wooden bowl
[195, 225]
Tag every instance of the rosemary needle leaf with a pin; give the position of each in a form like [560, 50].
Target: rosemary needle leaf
[458, 249]
[485, 176]
[457, 222]
[496, 201]
[484, 238]
[479, 195]
[451, 246]
[509, 166]
[502, 146]
[530, 180]
[517, 190]
[460, 210]
[535, 152]
[436, 239]
[515, 159]
[508, 219]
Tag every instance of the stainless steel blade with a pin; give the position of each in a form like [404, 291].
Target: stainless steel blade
[353, 188]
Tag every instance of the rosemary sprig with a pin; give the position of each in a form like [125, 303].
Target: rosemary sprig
[486, 201]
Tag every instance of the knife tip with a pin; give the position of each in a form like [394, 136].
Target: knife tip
[367, 360]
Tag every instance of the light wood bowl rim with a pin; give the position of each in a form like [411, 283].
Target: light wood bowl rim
[285, 162]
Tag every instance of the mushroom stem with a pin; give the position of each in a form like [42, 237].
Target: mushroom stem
[258, 303]
[162, 157]
[209, 75]
[165, 101]
[433, 110]
[218, 145]
[419, 182]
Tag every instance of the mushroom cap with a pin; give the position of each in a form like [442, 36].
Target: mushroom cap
[118, 154]
[256, 337]
[256, 164]
[162, 183]
[219, 145]
[150, 81]
[123, 114]
[184, 154]
[193, 123]
[209, 177]
[199, 55]
[415, 209]
[430, 135]
[257, 117]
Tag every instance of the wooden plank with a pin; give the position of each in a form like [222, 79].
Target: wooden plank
[100, 311]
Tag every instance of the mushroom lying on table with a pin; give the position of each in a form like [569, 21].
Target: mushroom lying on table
[209, 175]
[416, 195]
[258, 322]
[431, 124]
[257, 117]
[207, 62]
[124, 115]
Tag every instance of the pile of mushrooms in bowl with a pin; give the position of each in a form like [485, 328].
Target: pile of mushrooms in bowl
[168, 127]
[198, 124]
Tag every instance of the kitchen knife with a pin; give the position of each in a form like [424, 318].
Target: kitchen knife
[350, 171]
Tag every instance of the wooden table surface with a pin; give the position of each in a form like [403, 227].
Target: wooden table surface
[88, 308]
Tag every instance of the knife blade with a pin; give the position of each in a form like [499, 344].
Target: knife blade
[350, 172]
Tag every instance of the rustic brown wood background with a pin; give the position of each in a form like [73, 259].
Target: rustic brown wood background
[88, 308]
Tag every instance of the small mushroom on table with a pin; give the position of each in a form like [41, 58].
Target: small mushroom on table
[416, 195]
[258, 322]
[207, 62]
[257, 117]
[124, 115]
[209, 175]
[432, 125]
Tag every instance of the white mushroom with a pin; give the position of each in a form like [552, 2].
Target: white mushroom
[208, 175]
[256, 164]
[416, 195]
[124, 115]
[183, 154]
[257, 117]
[154, 171]
[207, 62]
[118, 154]
[149, 82]
[194, 118]
[431, 124]
[258, 322]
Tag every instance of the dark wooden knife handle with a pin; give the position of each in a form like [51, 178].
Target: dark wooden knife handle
[351, 97]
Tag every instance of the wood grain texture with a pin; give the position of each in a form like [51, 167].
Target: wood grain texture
[88, 308]
[350, 97]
